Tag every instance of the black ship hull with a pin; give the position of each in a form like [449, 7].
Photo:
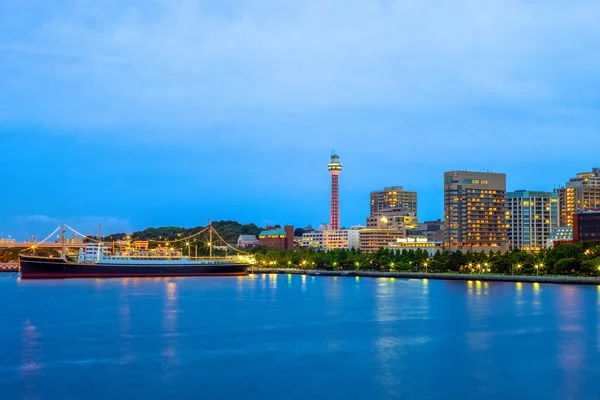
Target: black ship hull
[53, 268]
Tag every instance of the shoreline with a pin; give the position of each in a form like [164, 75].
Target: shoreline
[572, 280]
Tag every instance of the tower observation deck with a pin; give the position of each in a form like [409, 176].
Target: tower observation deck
[334, 167]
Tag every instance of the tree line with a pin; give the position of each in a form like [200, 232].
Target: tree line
[566, 259]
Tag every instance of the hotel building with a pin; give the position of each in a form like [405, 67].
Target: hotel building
[581, 193]
[530, 217]
[474, 211]
[393, 197]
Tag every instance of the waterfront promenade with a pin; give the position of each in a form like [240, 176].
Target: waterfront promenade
[9, 267]
[440, 276]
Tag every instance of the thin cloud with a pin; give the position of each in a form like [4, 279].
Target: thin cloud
[189, 62]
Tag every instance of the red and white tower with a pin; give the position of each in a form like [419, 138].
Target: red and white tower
[334, 168]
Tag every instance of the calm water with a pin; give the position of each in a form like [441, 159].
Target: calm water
[293, 337]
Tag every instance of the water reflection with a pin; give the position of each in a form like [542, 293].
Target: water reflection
[571, 345]
[598, 318]
[272, 281]
[125, 334]
[30, 351]
[536, 302]
[479, 310]
[170, 335]
[386, 345]
[304, 283]
[519, 303]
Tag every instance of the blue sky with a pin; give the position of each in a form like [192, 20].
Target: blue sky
[147, 113]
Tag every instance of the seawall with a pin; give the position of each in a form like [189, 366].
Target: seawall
[572, 280]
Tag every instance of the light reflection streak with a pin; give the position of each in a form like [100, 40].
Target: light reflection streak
[304, 283]
[572, 339]
[272, 281]
[519, 297]
[598, 318]
[170, 328]
[478, 308]
[30, 352]
[125, 332]
[387, 343]
[536, 303]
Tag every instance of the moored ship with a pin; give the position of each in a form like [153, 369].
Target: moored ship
[98, 262]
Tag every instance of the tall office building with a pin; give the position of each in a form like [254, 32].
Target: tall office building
[581, 193]
[530, 217]
[393, 198]
[474, 211]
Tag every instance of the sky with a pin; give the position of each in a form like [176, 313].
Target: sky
[146, 113]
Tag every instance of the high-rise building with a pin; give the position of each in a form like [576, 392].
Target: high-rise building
[393, 198]
[530, 217]
[581, 193]
[474, 211]
[334, 168]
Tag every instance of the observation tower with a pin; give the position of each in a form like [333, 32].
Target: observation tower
[334, 168]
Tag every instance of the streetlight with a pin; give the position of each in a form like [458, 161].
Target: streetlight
[479, 268]
[486, 267]
[518, 267]
[425, 266]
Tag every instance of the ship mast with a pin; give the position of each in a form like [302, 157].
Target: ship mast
[62, 240]
[210, 228]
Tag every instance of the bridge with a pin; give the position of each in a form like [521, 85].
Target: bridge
[37, 245]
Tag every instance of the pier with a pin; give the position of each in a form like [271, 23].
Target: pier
[9, 267]
[573, 280]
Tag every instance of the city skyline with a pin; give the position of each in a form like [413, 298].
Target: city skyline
[172, 113]
[112, 224]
